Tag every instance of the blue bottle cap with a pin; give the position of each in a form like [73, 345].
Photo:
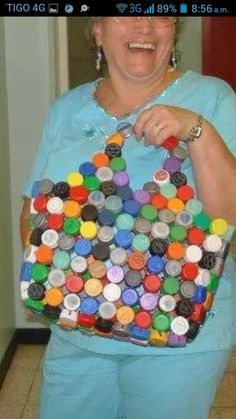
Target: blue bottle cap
[138, 333]
[89, 305]
[123, 238]
[106, 218]
[131, 207]
[83, 247]
[129, 296]
[87, 168]
[25, 272]
[124, 192]
[200, 295]
[155, 264]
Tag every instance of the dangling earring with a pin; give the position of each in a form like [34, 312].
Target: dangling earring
[98, 58]
[173, 60]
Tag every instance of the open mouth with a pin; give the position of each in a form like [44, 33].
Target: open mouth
[141, 47]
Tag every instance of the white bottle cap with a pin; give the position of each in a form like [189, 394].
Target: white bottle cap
[29, 253]
[104, 174]
[203, 278]
[55, 205]
[107, 310]
[193, 253]
[71, 302]
[50, 238]
[111, 292]
[160, 230]
[167, 303]
[69, 315]
[106, 234]
[179, 325]
[212, 243]
[57, 278]
[79, 264]
[161, 177]
[118, 256]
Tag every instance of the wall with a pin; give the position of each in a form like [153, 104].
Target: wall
[30, 90]
[6, 259]
[190, 44]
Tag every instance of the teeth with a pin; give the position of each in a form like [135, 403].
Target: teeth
[143, 46]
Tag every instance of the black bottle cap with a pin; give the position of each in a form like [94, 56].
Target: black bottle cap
[36, 291]
[207, 261]
[89, 213]
[101, 251]
[51, 312]
[108, 188]
[35, 236]
[61, 189]
[158, 247]
[113, 150]
[184, 307]
[104, 325]
[193, 330]
[178, 179]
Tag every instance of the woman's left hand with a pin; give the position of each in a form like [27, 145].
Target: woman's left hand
[160, 122]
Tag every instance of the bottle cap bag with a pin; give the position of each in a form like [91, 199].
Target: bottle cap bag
[138, 266]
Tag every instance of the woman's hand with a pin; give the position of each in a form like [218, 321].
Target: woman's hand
[160, 122]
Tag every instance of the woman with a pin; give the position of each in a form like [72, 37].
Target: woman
[89, 376]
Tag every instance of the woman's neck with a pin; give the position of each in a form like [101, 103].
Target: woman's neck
[120, 97]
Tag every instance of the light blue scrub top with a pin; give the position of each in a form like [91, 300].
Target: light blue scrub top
[77, 127]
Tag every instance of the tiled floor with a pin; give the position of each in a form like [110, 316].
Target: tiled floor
[19, 394]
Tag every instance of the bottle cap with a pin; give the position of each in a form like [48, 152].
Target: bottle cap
[170, 285]
[151, 187]
[133, 278]
[123, 238]
[101, 251]
[71, 302]
[114, 204]
[121, 179]
[161, 322]
[142, 197]
[184, 219]
[160, 230]
[71, 226]
[88, 230]
[106, 234]
[61, 260]
[168, 190]
[97, 269]
[100, 160]
[129, 297]
[54, 297]
[172, 165]
[111, 292]
[83, 247]
[89, 305]
[142, 226]
[161, 177]
[89, 213]
[79, 194]
[149, 212]
[158, 247]
[57, 278]
[115, 274]
[124, 192]
[97, 199]
[71, 209]
[107, 310]
[66, 242]
[104, 174]
[75, 179]
[87, 168]
[218, 226]
[167, 303]
[91, 183]
[178, 179]
[74, 283]
[125, 315]
[152, 283]
[55, 205]
[188, 289]
[212, 243]
[124, 222]
[55, 221]
[113, 150]
[36, 291]
[194, 206]
[79, 264]
[118, 256]
[179, 325]
[117, 164]
[143, 319]
[44, 254]
[193, 253]
[148, 301]
[45, 186]
[136, 261]
[61, 189]
[185, 193]
[39, 272]
[50, 238]
[93, 287]
[140, 243]
[173, 268]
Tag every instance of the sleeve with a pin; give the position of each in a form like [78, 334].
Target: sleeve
[41, 157]
[224, 119]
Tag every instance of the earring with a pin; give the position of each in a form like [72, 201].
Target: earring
[173, 60]
[98, 58]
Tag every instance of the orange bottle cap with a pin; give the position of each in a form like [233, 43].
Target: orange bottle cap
[71, 209]
[159, 201]
[175, 251]
[176, 205]
[136, 261]
[44, 254]
[100, 159]
[54, 297]
[115, 138]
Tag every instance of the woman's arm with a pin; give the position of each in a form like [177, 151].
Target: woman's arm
[24, 222]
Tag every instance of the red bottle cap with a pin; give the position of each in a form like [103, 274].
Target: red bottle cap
[143, 319]
[170, 143]
[159, 201]
[55, 221]
[86, 320]
[189, 271]
[152, 283]
[79, 194]
[195, 236]
[74, 283]
[198, 312]
[40, 203]
[185, 192]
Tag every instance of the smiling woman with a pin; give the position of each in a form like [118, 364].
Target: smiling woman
[143, 89]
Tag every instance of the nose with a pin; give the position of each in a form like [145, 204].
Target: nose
[144, 22]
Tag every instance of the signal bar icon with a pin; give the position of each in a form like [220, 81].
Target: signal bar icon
[150, 10]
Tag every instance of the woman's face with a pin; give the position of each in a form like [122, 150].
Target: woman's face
[134, 48]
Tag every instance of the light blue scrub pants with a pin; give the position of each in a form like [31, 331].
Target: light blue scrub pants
[80, 384]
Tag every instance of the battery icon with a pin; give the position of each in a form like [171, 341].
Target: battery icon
[183, 8]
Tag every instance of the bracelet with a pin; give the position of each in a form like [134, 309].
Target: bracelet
[196, 131]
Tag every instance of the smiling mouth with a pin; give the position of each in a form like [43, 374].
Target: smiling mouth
[144, 47]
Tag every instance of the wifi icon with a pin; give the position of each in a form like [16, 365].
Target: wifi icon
[121, 7]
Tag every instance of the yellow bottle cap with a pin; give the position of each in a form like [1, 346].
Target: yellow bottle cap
[218, 226]
[93, 287]
[75, 179]
[125, 315]
[71, 209]
[116, 138]
[54, 297]
[157, 338]
[88, 230]
[176, 205]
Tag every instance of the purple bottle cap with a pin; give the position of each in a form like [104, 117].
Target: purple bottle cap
[148, 301]
[129, 296]
[115, 274]
[175, 340]
[121, 178]
[172, 165]
[141, 196]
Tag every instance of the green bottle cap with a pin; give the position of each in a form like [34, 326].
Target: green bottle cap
[170, 285]
[213, 284]
[71, 226]
[39, 272]
[86, 275]
[194, 206]
[125, 222]
[61, 260]
[161, 322]
[178, 233]
[33, 305]
[202, 221]
[149, 213]
[168, 190]
[140, 243]
[91, 183]
[117, 164]
[135, 308]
